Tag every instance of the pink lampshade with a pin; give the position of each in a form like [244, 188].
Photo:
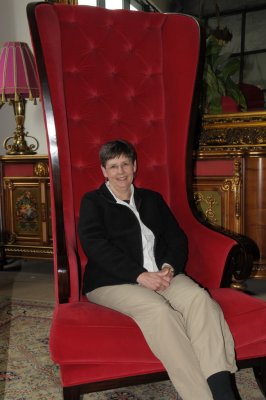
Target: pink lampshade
[17, 72]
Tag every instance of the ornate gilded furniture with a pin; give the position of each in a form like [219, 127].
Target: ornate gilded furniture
[25, 208]
[106, 74]
[218, 191]
[231, 160]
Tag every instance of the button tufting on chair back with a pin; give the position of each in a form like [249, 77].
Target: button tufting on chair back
[117, 76]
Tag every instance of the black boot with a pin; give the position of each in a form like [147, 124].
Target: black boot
[221, 386]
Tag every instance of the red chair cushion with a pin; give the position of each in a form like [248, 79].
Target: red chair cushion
[246, 316]
[86, 323]
[94, 343]
[119, 348]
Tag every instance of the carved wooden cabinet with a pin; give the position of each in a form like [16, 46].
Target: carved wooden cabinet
[25, 222]
[230, 176]
[218, 191]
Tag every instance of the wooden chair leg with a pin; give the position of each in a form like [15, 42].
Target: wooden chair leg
[71, 393]
[260, 375]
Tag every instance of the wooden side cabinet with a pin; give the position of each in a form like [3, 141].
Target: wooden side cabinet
[230, 176]
[218, 191]
[25, 220]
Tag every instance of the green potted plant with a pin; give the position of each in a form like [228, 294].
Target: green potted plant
[218, 82]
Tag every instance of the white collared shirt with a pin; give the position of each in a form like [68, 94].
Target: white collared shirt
[147, 235]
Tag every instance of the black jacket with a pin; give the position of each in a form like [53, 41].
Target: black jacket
[111, 237]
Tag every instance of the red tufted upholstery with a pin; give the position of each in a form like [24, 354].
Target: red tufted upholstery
[110, 74]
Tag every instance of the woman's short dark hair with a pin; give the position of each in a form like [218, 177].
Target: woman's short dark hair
[116, 148]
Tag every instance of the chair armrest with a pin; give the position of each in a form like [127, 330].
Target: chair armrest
[242, 256]
[218, 256]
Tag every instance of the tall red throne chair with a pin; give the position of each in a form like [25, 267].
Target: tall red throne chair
[108, 74]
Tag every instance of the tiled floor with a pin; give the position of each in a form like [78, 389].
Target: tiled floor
[33, 280]
[28, 280]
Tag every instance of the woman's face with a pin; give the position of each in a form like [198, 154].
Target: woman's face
[120, 173]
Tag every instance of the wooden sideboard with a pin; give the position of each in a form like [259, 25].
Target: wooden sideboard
[230, 176]
[25, 222]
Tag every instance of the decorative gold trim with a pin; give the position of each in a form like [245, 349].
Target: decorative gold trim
[259, 270]
[258, 117]
[41, 169]
[12, 237]
[232, 132]
[34, 230]
[43, 212]
[29, 250]
[8, 184]
[22, 180]
[234, 185]
[210, 202]
[230, 189]
[26, 158]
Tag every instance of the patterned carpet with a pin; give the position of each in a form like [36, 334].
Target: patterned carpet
[27, 373]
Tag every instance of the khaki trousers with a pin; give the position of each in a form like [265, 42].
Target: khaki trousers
[183, 327]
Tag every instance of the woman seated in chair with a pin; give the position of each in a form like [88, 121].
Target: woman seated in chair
[136, 259]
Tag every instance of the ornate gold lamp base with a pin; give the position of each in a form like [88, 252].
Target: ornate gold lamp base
[19, 145]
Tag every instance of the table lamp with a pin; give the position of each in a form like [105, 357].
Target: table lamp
[18, 82]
